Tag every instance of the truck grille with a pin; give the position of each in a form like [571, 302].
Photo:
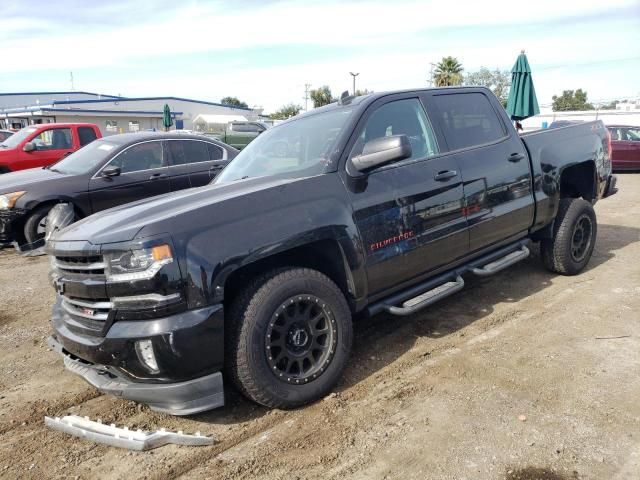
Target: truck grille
[84, 312]
[93, 265]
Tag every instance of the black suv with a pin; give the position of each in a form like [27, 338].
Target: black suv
[378, 203]
[107, 172]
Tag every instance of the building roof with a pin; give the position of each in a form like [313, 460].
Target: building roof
[135, 99]
[58, 93]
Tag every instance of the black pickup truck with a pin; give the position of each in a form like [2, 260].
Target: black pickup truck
[381, 203]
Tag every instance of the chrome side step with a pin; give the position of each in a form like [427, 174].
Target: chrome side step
[427, 298]
[502, 263]
[99, 432]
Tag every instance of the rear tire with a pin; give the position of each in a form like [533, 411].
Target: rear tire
[34, 227]
[574, 237]
[288, 338]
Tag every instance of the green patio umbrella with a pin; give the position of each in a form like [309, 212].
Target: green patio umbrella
[522, 102]
[166, 117]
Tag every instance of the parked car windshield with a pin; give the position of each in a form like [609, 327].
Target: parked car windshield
[85, 159]
[17, 138]
[298, 148]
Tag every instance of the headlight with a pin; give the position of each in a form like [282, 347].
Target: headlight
[140, 264]
[8, 200]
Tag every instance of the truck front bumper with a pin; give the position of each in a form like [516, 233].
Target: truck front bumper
[182, 398]
[188, 353]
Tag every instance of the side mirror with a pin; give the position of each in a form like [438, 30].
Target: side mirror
[111, 171]
[29, 147]
[381, 151]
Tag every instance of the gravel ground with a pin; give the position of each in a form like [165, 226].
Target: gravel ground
[525, 375]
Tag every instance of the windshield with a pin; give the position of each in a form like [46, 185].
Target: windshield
[298, 148]
[17, 138]
[86, 159]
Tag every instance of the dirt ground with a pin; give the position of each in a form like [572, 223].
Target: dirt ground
[525, 375]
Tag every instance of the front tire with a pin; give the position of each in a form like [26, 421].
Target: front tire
[574, 237]
[34, 227]
[289, 338]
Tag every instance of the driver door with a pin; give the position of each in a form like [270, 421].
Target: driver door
[51, 145]
[143, 173]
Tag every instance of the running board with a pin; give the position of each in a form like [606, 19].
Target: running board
[427, 298]
[502, 263]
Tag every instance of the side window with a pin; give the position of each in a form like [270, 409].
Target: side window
[54, 139]
[632, 134]
[87, 135]
[402, 117]
[144, 156]
[177, 153]
[215, 152]
[195, 151]
[468, 119]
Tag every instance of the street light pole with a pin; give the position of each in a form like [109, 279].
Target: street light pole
[354, 75]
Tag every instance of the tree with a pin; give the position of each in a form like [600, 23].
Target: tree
[498, 81]
[448, 72]
[610, 105]
[570, 100]
[286, 111]
[363, 92]
[321, 96]
[234, 102]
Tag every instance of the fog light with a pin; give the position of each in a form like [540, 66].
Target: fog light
[144, 349]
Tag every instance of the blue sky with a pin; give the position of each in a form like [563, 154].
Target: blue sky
[264, 52]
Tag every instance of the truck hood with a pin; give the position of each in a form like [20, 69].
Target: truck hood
[28, 179]
[124, 223]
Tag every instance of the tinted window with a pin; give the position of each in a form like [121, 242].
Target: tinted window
[215, 152]
[54, 139]
[87, 135]
[403, 117]
[468, 119]
[144, 156]
[4, 135]
[177, 152]
[194, 151]
[631, 134]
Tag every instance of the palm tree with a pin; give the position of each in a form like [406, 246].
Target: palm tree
[448, 72]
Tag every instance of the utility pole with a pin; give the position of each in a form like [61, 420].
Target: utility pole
[354, 75]
[306, 96]
[71, 78]
[430, 80]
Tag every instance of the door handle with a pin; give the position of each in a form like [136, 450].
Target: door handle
[157, 176]
[445, 175]
[516, 157]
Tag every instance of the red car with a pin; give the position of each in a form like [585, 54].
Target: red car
[41, 145]
[625, 147]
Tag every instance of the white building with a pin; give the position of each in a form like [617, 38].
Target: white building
[112, 114]
[624, 114]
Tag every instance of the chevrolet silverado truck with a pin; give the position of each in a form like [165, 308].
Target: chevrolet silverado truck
[380, 203]
[44, 144]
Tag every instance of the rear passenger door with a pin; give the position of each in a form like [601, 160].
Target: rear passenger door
[498, 196]
[194, 163]
[409, 213]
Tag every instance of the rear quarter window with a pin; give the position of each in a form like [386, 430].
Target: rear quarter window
[468, 120]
